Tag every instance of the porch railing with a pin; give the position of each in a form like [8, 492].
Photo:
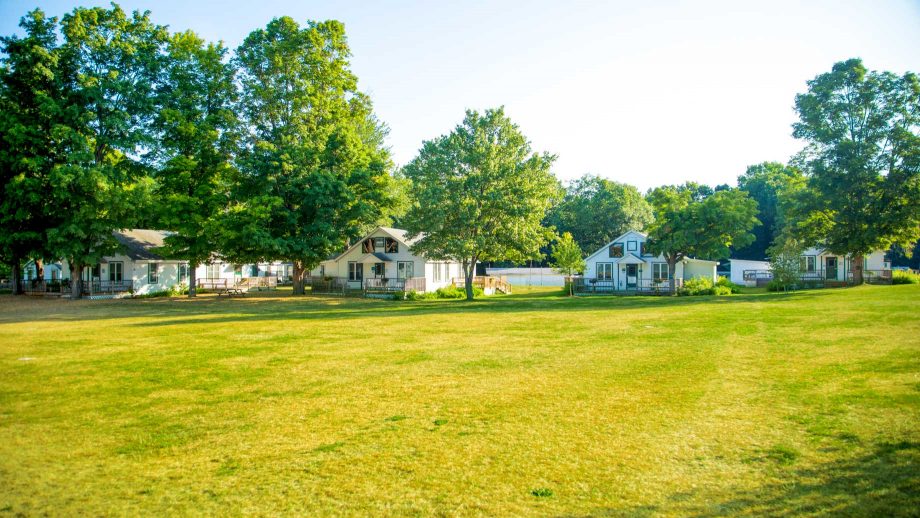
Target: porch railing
[100, 287]
[819, 277]
[641, 286]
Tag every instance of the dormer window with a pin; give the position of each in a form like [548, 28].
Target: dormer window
[631, 246]
[616, 250]
[380, 244]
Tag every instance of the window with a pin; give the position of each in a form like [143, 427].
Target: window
[91, 273]
[631, 246]
[213, 271]
[605, 271]
[380, 243]
[660, 271]
[153, 273]
[322, 270]
[441, 272]
[368, 246]
[616, 250]
[392, 246]
[378, 270]
[183, 272]
[405, 270]
[355, 271]
[807, 263]
[116, 271]
[254, 270]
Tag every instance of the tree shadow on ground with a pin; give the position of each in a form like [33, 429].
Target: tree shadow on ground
[883, 482]
[272, 307]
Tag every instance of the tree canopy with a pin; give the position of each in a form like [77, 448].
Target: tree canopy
[313, 172]
[862, 161]
[766, 183]
[690, 223]
[596, 210]
[480, 194]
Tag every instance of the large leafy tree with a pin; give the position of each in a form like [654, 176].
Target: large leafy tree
[198, 128]
[114, 61]
[691, 223]
[862, 161]
[480, 194]
[314, 172]
[766, 183]
[31, 90]
[596, 210]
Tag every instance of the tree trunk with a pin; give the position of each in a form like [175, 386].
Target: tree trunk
[857, 264]
[298, 278]
[672, 275]
[192, 280]
[16, 274]
[469, 270]
[76, 280]
[39, 270]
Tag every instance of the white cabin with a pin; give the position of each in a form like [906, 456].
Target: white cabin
[384, 260]
[624, 265]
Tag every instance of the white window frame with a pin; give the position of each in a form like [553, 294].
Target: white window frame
[121, 271]
[405, 269]
[605, 271]
[182, 270]
[660, 271]
[153, 273]
[353, 271]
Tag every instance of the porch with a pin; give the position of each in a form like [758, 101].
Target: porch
[821, 278]
[583, 286]
[368, 286]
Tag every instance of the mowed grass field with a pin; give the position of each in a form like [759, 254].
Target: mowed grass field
[532, 404]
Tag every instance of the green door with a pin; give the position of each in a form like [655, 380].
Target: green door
[830, 269]
[631, 276]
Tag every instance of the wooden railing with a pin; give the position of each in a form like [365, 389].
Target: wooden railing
[641, 286]
[820, 277]
[43, 287]
[258, 283]
[487, 283]
[210, 283]
[100, 287]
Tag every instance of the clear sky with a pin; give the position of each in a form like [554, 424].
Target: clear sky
[646, 93]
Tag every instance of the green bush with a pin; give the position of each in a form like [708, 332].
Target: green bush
[721, 290]
[696, 286]
[447, 292]
[724, 282]
[902, 277]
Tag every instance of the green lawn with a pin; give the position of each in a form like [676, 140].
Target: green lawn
[532, 404]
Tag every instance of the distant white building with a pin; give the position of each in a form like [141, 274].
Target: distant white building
[529, 276]
[745, 272]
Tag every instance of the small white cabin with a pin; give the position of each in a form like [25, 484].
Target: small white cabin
[825, 265]
[624, 265]
[384, 260]
[745, 272]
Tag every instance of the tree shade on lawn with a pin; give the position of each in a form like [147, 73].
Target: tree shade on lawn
[531, 404]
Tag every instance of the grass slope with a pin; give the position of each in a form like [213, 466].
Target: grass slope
[532, 404]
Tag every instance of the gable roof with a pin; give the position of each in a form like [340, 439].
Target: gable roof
[618, 239]
[138, 243]
[396, 233]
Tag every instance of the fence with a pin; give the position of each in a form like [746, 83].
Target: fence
[583, 286]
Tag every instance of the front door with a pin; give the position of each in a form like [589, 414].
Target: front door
[631, 276]
[830, 270]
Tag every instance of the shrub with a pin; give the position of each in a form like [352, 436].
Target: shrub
[447, 292]
[724, 282]
[902, 277]
[721, 290]
[696, 286]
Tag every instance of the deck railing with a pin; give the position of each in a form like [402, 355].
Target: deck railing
[820, 277]
[100, 287]
[640, 287]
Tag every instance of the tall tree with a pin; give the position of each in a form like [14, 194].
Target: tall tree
[198, 131]
[314, 172]
[765, 183]
[863, 161]
[114, 61]
[480, 194]
[596, 210]
[30, 93]
[690, 223]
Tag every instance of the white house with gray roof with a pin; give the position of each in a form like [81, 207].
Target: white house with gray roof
[383, 260]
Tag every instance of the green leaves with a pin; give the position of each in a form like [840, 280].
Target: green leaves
[863, 135]
[480, 193]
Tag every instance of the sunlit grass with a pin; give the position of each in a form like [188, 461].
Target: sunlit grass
[529, 404]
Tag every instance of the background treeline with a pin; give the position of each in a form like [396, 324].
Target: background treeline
[271, 152]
